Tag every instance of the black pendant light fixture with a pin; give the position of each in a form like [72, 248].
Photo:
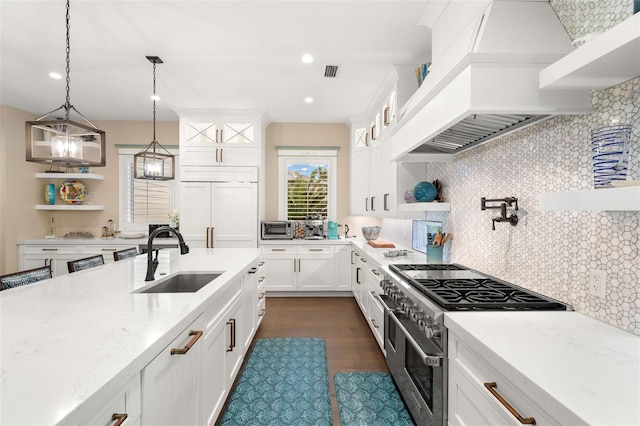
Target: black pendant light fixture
[154, 162]
[60, 142]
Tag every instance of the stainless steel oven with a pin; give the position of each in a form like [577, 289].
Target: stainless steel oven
[416, 362]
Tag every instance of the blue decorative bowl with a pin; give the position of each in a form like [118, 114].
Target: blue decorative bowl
[425, 191]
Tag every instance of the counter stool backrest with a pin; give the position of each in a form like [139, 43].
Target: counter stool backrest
[29, 276]
[125, 254]
[86, 263]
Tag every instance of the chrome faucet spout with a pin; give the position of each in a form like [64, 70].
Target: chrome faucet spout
[152, 264]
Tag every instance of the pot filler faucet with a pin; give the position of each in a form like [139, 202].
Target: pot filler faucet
[152, 263]
[508, 201]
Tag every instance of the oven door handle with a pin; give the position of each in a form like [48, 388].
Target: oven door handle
[428, 359]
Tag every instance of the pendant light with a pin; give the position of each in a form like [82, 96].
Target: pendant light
[154, 162]
[61, 142]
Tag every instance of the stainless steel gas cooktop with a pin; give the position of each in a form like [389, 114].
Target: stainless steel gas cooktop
[454, 287]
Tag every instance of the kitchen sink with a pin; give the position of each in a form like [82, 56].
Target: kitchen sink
[188, 282]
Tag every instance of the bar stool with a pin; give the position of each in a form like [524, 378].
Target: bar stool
[125, 254]
[85, 263]
[29, 276]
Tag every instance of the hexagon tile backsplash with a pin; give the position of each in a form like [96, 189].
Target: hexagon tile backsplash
[550, 252]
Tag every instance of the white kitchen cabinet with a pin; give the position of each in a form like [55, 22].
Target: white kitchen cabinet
[219, 214]
[252, 283]
[343, 266]
[189, 381]
[472, 380]
[374, 310]
[170, 381]
[358, 286]
[34, 256]
[215, 156]
[359, 182]
[125, 406]
[300, 268]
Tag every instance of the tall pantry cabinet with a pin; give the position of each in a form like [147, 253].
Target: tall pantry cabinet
[219, 155]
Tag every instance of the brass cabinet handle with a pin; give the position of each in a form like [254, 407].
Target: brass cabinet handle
[196, 335]
[261, 264]
[217, 155]
[221, 151]
[253, 270]
[358, 276]
[261, 296]
[221, 135]
[375, 325]
[261, 279]
[316, 249]
[299, 266]
[207, 232]
[352, 252]
[366, 204]
[49, 249]
[363, 260]
[375, 272]
[217, 131]
[372, 201]
[523, 420]
[262, 311]
[232, 323]
[108, 249]
[294, 265]
[278, 249]
[386, 202]
[119, 418]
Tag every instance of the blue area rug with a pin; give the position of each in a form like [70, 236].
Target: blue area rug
[284, 382]
[370, 399]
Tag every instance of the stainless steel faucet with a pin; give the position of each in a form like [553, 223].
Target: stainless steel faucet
[152, 264]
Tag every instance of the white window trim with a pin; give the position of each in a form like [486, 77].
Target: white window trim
[123, 154]
[329, 155]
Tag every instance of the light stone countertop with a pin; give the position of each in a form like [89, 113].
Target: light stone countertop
[80, 337]
[569, 361]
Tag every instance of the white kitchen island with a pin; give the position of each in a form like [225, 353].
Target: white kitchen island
[70, 343]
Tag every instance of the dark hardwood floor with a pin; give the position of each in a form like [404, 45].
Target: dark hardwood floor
[350, 343]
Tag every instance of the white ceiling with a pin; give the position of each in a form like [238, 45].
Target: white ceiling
[217, 55]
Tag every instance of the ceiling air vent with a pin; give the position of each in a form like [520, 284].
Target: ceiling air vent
[330, 71]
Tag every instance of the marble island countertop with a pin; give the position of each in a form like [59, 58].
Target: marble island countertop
[81, 336]
[569, 362]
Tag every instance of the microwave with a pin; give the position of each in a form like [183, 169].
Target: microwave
[277, 230]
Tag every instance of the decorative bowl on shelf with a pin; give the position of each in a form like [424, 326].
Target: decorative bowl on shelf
[425, 192]
[371, 232]
[73, 191]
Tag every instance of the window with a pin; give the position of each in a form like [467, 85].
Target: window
[143, 201]
[307, 183]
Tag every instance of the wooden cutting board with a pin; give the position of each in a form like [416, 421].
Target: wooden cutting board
[380, 244]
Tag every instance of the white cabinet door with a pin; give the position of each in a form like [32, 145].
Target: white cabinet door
[388, 181]
[169, 382]
[219, 214]
[360, 284]
[343, 267]
[125, 404]
[249, 304]
[195, 212]
[239, 132]
[375, 179]
[359, 180]
[316, 268]
[235, 345]
[234, 214]
[281, 268]
[33, 256]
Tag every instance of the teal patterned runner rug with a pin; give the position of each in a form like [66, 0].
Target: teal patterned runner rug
[284, 382]
[370, 399]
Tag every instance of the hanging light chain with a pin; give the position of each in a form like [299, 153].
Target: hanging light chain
[67, 105]
[154, 101]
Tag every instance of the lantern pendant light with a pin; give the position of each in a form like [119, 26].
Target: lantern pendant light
[154, 162]
[60, 142]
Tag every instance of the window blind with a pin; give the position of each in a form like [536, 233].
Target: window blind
[147, 201]
[307, 191]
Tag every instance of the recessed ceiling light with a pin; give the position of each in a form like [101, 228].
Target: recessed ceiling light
[308, 99]
[55, 75]
[307, 59]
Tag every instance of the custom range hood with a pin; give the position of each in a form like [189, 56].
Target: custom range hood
[484, 78]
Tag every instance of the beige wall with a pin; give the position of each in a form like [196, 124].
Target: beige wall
[308, 135]
[20, 191]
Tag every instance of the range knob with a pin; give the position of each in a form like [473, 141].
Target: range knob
[416, 315]
[432, 331]
[406, 305]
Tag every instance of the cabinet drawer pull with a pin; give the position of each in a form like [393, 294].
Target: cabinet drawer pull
[261, 296]
[108, 249]
[261, 264]
[207, 232]
[221, 150]
[260, 279]
[262, 311]
[375, 272]
[232, 323]
[316, 249]
[196, 335]
[49, 249]
[358, 276]
[119, 418]
[299, 266]
[386, 202]
[375, 324]
[523, 420]
[278, 249]
[253, 270]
